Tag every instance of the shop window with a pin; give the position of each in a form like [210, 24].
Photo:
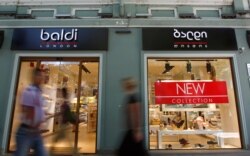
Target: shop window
[192, 104]
[82, 99]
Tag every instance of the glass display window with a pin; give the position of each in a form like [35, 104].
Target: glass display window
[192, 104]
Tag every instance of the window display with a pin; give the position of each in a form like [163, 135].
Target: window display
[58, 75]
[192, 104]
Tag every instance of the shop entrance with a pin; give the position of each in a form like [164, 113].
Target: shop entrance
[81, 78]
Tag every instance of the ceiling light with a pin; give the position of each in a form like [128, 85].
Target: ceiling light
[189, 67]
[209, 67]
[167, 68]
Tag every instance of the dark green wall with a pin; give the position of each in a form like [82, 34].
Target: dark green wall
[242, 59]
[6, 68]
[123, 59]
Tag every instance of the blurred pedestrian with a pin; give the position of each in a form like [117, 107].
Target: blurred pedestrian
[66, 118]
[133, 142]
[28, 134]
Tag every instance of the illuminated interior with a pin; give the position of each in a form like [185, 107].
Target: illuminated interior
[65, 73]
[191, 123]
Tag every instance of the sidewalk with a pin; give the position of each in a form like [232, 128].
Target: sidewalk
[182, 153]
[202, 153]
[192, 153]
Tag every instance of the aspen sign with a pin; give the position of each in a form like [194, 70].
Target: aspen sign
[191, 92]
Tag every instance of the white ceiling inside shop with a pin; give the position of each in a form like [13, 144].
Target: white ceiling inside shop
[156, 68]
[58, 70]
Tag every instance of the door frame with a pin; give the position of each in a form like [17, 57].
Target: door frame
[13, 84]
[235, 76]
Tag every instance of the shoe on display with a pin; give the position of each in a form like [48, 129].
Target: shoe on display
[199, 146]
[168, 146]
[183, 141]
[211, 142]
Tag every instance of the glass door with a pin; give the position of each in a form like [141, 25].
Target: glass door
[60, 74]
[88, 106]
[80, 77]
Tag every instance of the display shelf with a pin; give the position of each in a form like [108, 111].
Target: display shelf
[184, 132]
[191, 131]
[92, 116]
[223, 135]
[190, 109]
[154, 128]
[49, 96]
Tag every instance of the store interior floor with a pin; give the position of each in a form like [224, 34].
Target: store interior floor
[86, 141]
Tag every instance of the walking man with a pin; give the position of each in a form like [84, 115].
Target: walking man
[28, 134]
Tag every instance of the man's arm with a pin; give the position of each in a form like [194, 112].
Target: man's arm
[134, 110]
[135, 118]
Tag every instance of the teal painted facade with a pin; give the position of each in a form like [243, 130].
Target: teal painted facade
[119, 61]
[125, 57]
[6, 62]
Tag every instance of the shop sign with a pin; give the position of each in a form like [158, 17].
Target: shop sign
[60, 39]
[190, 92]
[189, 39]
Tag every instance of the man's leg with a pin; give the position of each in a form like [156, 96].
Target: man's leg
[39, 146]
[23, 142]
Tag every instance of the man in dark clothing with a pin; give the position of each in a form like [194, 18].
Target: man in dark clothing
[66, 118]
[133, 142]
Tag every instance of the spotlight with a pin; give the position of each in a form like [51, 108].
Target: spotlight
[84, 68]
[189, 67]
[167, 68]
[209, 67]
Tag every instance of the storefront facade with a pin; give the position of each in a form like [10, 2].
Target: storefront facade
[223, 115]
[76, 69]
[191, 97]
[204, 64]
[73, 71]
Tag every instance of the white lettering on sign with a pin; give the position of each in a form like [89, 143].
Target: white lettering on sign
[192, 100]
[190, 88]
[58, 46]
[59, 36]
[190, 35]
